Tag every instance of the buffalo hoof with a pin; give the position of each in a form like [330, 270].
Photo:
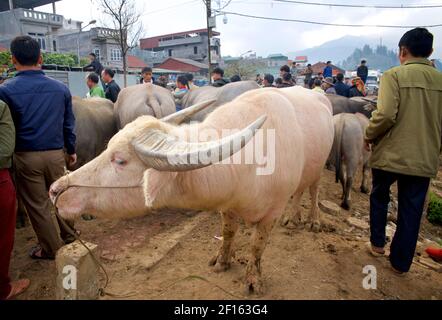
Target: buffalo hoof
[291, 222]
[364, 190]
[314, 226]
[345, 205]
[254, 285]
[284, 221]
[218, 265]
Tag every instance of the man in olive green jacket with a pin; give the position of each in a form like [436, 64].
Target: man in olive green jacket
[405, 133]
[8, 289]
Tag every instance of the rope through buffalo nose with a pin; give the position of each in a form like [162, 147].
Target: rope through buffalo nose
[101, 291]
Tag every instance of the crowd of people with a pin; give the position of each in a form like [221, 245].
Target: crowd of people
[324, 81]
[37, 139]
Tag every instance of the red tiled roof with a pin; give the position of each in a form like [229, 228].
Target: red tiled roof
[185, 65]
[153, 42]
[2, 49]
[134, 62]
[319, 67]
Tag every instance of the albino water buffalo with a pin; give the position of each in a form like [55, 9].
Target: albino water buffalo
[351, 105]
[348, 152]
[94, 126]
[174, 172]
[222, 95]
[142, 99]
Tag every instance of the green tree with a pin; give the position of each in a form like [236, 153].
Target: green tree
[244, 68]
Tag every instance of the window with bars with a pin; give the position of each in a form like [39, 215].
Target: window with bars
[116, 55]
[41, 39]
[97, 53]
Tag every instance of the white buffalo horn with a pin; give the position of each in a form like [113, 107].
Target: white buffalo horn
[165, 152]
[180, 116]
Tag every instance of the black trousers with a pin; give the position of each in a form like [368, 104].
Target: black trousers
[412, 191]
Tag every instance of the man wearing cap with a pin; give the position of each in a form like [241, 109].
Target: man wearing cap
[328, 86]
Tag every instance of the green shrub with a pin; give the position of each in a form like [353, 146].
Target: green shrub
[434, 214]
[61, 59]
[5, 58]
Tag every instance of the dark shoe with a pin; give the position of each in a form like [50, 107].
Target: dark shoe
[38, 253]
[397, 272]
[375, 251]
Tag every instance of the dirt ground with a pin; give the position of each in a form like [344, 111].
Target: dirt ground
[297, 264]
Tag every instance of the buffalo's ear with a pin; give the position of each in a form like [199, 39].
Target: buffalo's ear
[154, 182]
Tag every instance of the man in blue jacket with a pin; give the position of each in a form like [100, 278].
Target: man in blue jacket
[41, 109]
[328, 70]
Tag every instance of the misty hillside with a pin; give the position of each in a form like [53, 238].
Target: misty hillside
[338, 50]
[379, 58]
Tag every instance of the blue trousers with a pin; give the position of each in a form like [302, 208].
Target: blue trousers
[412, 191]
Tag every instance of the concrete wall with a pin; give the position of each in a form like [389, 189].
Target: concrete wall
[76, 81]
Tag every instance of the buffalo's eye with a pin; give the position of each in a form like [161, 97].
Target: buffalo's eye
[119, 161]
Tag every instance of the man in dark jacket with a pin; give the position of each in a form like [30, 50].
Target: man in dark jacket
[341, 88]
[112, 89]
[41, 108]
[286, 81]
[218, 78]
[362, 71]
[95, 65]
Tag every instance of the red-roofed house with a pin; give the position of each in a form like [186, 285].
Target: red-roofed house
[134, 63]
[2, 49]
[185, 65]
[319, 67]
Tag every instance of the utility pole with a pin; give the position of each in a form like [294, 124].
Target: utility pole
[209, 37]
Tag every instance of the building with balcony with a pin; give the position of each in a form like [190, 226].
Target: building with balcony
[55, 33]
[191, 45]
[100, 41]
[18, 18]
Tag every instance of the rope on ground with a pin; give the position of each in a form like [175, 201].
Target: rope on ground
[102, 290]
[196, 277]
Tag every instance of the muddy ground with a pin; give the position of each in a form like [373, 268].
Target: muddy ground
[297, 264]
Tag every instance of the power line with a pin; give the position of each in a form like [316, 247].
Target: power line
[421, 6]
[325, 23]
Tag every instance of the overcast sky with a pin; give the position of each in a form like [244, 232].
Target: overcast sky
[242, 34]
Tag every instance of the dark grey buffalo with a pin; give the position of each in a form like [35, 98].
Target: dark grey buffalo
[94, 126]
[222, 95]
[348, 153]
[143, 99]
[351, 105]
